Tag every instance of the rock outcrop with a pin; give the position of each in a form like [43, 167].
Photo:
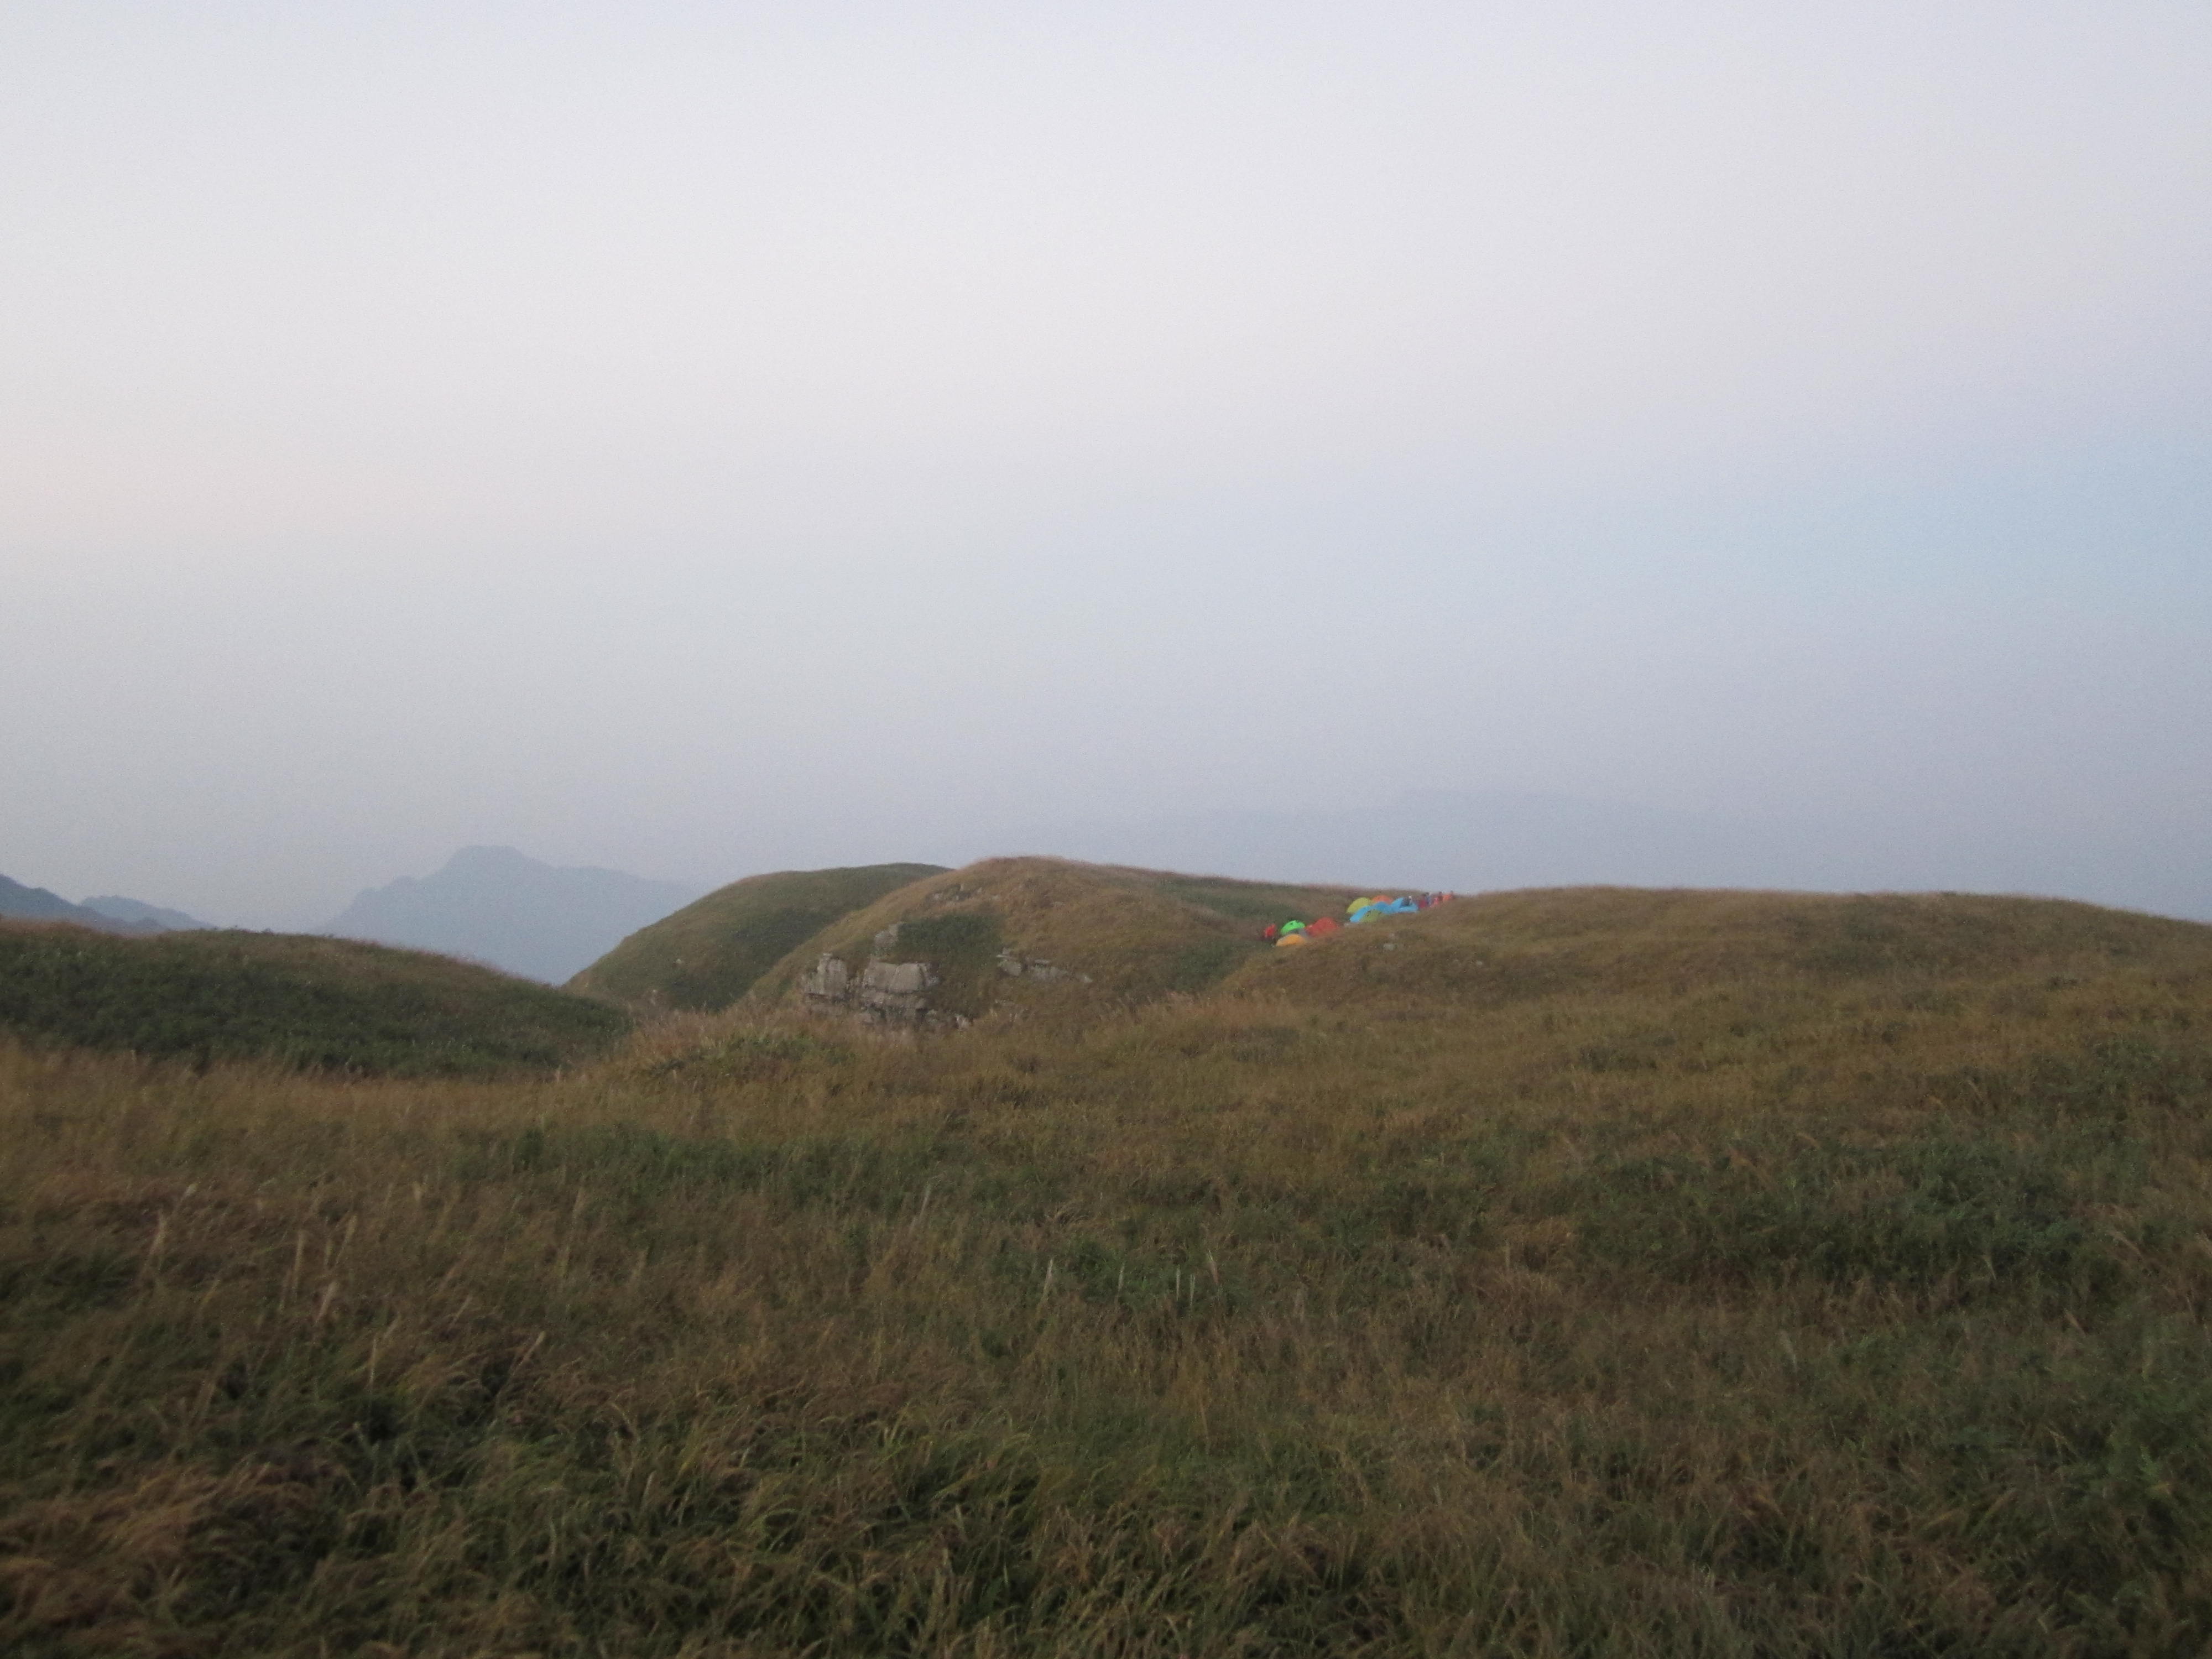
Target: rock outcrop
[1014, 968]
[882, 992]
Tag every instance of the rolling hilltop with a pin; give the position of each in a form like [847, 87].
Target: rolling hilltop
[1012, 935]
[709, 953]
[1593, 1272]
[988, 936]
[320, 1003]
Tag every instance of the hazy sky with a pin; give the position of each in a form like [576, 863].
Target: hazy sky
[704, 438]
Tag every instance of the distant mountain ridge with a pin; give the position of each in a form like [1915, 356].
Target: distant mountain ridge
[495, 905]
[37, 904]
[116, 908]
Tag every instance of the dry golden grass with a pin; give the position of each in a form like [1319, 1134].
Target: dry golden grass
[1552, 1273]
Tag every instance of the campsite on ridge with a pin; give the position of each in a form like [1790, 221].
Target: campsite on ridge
[1607, 1270]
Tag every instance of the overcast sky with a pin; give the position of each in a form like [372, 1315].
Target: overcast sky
[704, 438]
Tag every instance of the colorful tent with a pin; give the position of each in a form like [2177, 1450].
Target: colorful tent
[1358, 910]
[1368, 910]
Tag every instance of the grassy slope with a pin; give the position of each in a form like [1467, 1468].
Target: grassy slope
[1602, 1273]
[1135, 933]
[299, 1001]
[707, 955]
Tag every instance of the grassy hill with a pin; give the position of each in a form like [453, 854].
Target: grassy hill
[1098, 935]
[334, 1003]
[709, 953]
[1578, 1272]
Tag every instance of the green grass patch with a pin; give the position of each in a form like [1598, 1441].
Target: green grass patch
[1197, 966]
[1978, 1215]
[319, 1004]
[962, 949]
[710, 953]
[750, 1056]
[1256, 902]
[2107, 1082]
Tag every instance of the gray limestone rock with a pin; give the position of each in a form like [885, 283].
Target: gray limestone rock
[883, 993]
[896, 978]
[1014, 968]
[828, 980]
[896, 993]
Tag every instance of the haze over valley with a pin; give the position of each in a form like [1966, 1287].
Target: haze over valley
[698, 444]
[995, 831]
